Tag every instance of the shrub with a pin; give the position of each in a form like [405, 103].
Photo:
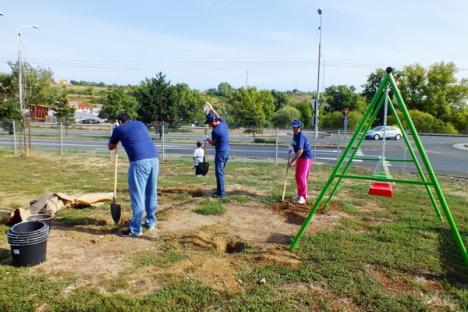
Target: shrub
[283, 117]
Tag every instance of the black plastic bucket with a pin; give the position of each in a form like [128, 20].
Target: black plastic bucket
[28, 241]
[44, 217]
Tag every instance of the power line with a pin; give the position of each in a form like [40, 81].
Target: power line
[197, 64]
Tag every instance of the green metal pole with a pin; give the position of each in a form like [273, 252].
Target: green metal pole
[311, 213]
[382, 179]
[415, 160]
[422, 152]
[371, 120]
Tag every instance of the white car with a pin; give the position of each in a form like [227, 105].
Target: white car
[378, 132]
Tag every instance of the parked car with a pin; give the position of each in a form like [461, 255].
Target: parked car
[89, 121]
[378, 132]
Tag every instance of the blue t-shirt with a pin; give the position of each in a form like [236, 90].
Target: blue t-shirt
[300, 142]
[220, 133]
[135, 139]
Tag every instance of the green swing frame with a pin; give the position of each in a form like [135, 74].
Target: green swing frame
[349, 154]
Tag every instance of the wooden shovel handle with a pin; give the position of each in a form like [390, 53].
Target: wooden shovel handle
[116, 160]
[286, 177]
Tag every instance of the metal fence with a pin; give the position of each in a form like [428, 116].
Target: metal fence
[270, 145]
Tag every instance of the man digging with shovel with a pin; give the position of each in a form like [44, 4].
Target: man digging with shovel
[142, 172]
[220, 140]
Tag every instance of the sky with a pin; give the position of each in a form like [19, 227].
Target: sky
[270, 44]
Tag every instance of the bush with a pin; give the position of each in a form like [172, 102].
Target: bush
[283, 117]
[425, 122]
[265, 140]
[334, 120]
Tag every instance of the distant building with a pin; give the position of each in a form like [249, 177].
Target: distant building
[81, 106]
[38, 112]
[84, 111]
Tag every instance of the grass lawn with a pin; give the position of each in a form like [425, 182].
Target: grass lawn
[364, 253]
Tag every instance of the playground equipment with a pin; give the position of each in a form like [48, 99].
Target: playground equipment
[381, 170]
[380, 98]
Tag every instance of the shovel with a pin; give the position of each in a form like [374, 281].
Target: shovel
[286, 177]
[114, 207]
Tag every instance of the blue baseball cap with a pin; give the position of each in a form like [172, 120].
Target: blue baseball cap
[209, 118]
[296, 123]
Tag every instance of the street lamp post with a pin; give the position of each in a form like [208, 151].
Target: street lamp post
[19, 43]
[316, 103]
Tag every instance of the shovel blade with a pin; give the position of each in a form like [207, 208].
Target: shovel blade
[115, 212]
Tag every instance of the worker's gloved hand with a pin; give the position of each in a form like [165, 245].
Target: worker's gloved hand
[290, 150]
[207, 107]
[207, 137]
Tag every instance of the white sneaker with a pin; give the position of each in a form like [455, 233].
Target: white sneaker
[301, 200]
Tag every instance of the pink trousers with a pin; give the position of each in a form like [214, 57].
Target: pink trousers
[303, 167]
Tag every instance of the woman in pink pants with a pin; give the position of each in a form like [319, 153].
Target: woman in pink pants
[303, 159]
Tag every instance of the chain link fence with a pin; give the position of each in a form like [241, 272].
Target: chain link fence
[269, 145]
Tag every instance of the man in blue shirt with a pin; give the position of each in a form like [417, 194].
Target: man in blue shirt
[142, 172]
[220, 140]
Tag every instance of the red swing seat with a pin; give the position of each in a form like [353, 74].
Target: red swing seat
[381, 189]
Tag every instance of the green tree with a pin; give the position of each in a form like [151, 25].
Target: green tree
[334, 120]
[64, 113]
[225, 89]
[281, 99]
[435, 91]
[306, 113]
[115, 101]
[38, 84]
[443, 91]
[283, 117]
[338, 97]
[189, 104]
[413, 87]
[373, 82]
[9, 106]
[252, 109]
[9, 112]
[158, 102]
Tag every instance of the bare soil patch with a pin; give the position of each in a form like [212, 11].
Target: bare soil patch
[214, 247]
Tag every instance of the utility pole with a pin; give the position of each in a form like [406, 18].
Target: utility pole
[19, 43]
[316, 103]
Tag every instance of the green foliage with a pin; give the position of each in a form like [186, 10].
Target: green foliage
[412, 85]
[9, 111]
[459, 119]
[158, 102]
[116, 101]
[339, 97]
[281, 99]
[434, 91]
[225, 89]
[334, 120]
[189, 105]
[63, 112]
[306, 113]
[210, 207]
[88, 83]
[252, 109]
[425, 122]
[373, 82]
[285, 115]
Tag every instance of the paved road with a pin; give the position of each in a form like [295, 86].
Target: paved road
[444, 158]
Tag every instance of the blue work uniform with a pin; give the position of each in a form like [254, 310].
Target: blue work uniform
[220, 134]
[300, 142]
[142, 172]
